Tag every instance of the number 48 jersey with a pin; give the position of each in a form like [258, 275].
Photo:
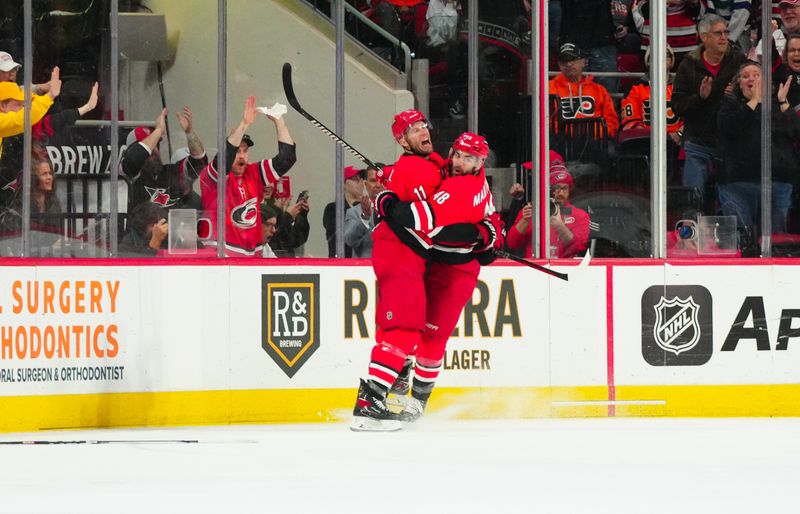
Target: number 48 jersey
[445, 224]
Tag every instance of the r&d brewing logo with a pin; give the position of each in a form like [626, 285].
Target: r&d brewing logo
[676, 325]
[290, 319]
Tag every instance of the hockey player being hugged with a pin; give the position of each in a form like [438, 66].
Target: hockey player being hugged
[433, 273]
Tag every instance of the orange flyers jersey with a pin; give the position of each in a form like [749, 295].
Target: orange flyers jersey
[636, 109]
[584, 99]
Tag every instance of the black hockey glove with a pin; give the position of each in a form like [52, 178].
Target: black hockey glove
[384, 202]
[491, 233]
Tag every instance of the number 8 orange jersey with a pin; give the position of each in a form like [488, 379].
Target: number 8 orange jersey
[636, 109]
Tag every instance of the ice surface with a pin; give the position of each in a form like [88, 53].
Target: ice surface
[437, 466]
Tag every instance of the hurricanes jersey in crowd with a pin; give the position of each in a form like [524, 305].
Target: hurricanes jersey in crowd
[242, 197]
[636, 109]
[168, 188]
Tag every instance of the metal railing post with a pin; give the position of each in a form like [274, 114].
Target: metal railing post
[113, 183]
[339, 173]
[766, 131]
[222, 122]
[658, 128]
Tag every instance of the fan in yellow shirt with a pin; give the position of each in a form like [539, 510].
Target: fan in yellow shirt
[12, 106]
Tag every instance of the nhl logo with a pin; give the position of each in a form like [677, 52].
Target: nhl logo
[677, 325]
[676, 329]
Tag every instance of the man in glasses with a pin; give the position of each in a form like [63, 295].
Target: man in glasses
[569, 225]
[702, 80]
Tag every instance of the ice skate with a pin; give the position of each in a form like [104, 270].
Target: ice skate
[413, 410]
[371, 413]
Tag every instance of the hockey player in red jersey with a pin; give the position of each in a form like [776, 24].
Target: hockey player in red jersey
[459, 213]
[245, 183]
[427, 278]
[400, 272]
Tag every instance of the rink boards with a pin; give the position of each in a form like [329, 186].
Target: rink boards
[88, 343]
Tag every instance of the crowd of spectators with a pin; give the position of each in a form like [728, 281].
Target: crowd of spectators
[713, 122]
[713, 109]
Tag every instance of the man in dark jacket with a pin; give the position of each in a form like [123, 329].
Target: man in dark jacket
[702, 80]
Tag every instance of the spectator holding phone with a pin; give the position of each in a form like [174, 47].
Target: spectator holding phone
[353, 191]
[359, 220]
[292, 227]
[569, 225]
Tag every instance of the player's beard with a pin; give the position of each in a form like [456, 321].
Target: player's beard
[457, 171]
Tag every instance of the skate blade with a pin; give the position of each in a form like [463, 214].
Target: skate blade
[396, 404]
[365, 424]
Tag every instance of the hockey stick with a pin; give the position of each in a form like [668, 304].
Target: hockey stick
[101, 441]
[123, 441]
[512, 257]
[288, 89]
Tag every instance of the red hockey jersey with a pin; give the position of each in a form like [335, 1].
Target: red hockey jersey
[242, 214]
[462, 199]
[413, 177]
[444, 224]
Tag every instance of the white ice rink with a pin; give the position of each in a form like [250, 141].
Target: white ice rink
[543, 466]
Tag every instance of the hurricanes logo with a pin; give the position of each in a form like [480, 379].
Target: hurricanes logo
[676, 329]
[572, 108]
[245, 215]
[159, 195]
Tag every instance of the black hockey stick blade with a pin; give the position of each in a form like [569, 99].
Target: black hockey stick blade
[537, 267]
[288, 90]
